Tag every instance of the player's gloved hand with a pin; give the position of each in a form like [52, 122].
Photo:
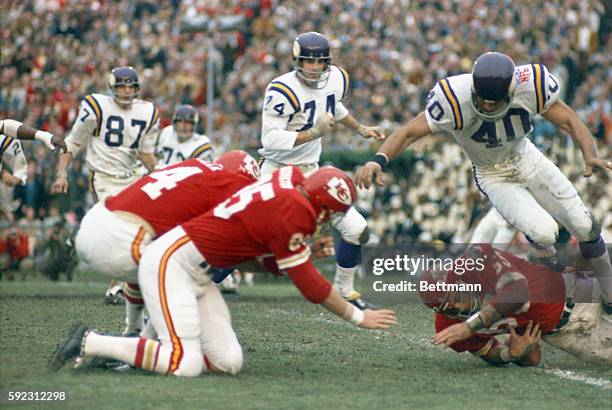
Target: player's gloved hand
[322, 247]
[371, 132]
[323, 125]
[378, 319]
[452, 334]
[10, 180]
[60, 186]
[370, 171]
[521, 346]
[591, 163]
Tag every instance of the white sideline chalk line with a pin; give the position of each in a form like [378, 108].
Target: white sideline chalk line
[562, 374]
[570, 375]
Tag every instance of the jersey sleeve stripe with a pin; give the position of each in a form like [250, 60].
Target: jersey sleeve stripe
[200, 150]
[294, 260]
[5, 144]
[95, 106]
[154, 118]
[454, 103]
[285, 90]
[345, 81]
[177, 347]
[538, 82]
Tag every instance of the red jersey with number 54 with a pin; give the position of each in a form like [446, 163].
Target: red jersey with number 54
[268, 217]
[178, 193]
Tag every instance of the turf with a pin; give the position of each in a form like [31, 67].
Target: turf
[297, 356]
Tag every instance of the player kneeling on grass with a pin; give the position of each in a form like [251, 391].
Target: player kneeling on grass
[273, 216]
[128, 221]
[518, 298]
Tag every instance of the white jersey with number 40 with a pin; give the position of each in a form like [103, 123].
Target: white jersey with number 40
[485, 143]
[289, 107]
[115, 136]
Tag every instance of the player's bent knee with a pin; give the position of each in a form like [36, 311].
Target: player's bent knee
[230, 363]
[356, 234]
[586, 229]
[192, 365]
[544, 236]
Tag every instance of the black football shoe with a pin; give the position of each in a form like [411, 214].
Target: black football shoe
[72, 348]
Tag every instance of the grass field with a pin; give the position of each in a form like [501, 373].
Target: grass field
[297, 356]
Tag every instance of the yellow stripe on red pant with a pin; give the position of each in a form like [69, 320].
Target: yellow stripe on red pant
[136, 245]
[177, 347]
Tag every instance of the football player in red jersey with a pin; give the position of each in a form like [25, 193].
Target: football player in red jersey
[114, 233]
[273, 216]
[517, 297]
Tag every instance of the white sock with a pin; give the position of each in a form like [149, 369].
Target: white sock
[603, 272]
[143, 353]
[344, 280]
[111, 347]
[134, 317]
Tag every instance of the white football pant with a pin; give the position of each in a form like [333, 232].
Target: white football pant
[186, 309]
[530, 192]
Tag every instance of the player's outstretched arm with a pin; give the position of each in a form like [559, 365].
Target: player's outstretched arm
[567, 120]
[397, 142]
[24, 132]
[314, 287]
[363, 130]
[367, 319]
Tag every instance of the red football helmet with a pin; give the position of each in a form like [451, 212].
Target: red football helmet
[330, 191]
[454, 304]
[239, 162]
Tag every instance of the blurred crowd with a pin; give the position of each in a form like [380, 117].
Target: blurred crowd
[54, 52]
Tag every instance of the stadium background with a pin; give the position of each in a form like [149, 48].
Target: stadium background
[54, 52]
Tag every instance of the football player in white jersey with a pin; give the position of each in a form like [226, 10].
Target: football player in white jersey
[179, 141]
[489, 113]
[117, 129]
[11, 152]
[299, 109]
[12, 155]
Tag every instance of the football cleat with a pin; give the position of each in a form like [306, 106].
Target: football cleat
[109, 364]
[72, 348]
[229, 286]
[354, 298]
[114, 294]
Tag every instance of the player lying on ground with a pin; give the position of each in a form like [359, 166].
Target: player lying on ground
[489, 113]
[128, 221]
[518, 298]
[273, 216]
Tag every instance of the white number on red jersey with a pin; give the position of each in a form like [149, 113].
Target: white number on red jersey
[167, 179]
[244, 197]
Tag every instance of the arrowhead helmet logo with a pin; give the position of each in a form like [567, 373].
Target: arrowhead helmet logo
[338, 188]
